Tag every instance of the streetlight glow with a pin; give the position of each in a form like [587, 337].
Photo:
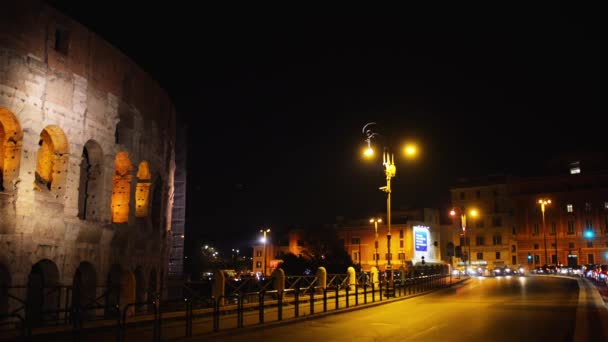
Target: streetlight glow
[410, 150]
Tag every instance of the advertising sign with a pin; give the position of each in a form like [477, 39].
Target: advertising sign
[420, 239]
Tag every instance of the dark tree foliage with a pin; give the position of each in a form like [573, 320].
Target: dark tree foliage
[321, 248]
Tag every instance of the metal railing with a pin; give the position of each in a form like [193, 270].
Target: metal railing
[194, 315]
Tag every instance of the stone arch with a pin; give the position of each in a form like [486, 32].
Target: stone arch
[142, 192]
[91, 181]
[156, 204]
[140, 285]
[121, 290]
[121, 188]
[11, 137]
[84, 289]
[5, 282]
[42, 287]
[152, 284]
[52, 159]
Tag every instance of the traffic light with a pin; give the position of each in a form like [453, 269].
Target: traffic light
[423, 262]
[529, 258]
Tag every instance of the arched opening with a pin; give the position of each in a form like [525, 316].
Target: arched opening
[42, 292]
[156, 213]
[140, 286]
[10, 148]
[5, 282]
[83, 290]
[113, 291]
[120, 291]
[91, 181]
[121, 188]
[142, 193]
[52, 159]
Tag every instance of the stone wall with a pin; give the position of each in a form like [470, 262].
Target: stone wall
[69, 104]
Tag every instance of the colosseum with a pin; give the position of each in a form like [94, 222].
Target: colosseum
[87, 166]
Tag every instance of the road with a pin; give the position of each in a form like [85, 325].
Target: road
[519, 309]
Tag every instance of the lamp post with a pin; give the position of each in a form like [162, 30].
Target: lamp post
[264, 241]
[463, 227]
[390, 170]
[543, 202]
[375, 222]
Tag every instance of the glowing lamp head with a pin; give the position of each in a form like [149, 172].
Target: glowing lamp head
[410, 150]
[473, 213]
[368, 152]
[452, 212]
[263, 239]
[589, 234]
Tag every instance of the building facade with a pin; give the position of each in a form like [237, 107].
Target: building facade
[414, 237]
[575, 226]
[87, 144]
[488, 239]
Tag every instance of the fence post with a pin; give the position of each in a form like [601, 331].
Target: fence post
[261, 309]
[280, 303]
[155, 333]
[373, 293]
[312, 300]
[347, 290]
[365, 293]
[337, 296]
[296, 293]
[216, 315]
[325, 300]
[239, 310]
[356, 294]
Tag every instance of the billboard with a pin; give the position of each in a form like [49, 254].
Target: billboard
[421, 234]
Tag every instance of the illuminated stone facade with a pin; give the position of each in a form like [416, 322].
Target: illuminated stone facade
[87, 144]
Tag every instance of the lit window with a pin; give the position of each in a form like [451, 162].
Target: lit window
[569, 208]
[121, 188]
[605, 205]
[575, 170]
[142, 190]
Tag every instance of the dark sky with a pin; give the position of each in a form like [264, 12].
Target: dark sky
[275, 98]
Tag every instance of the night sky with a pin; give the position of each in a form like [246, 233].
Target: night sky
[275, 99]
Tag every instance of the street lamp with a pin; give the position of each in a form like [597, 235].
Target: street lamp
[375, 221]
[264, 242]
[390, 170]
[463, 227]
[543, 202]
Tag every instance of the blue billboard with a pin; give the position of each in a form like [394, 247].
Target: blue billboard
[420, 240]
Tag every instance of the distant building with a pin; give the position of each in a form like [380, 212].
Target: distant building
[511, 230]
[414, 237]
[489, 239]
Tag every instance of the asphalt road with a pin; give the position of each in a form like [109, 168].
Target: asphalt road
[519, 309]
